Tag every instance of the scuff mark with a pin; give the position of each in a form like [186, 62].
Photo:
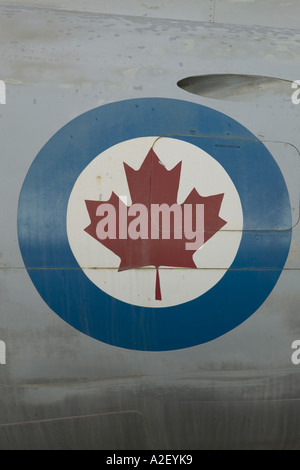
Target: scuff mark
[152, 4]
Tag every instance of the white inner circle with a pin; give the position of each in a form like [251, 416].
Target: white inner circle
[106, 174]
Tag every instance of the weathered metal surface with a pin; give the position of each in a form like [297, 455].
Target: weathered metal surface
[241, 390]
[276, 13]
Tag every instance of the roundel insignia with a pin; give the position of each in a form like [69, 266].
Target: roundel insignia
[154, 224]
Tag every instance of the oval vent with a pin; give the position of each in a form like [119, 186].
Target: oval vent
[233, 87]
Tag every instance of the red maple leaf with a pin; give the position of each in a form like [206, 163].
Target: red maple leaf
[139, 240]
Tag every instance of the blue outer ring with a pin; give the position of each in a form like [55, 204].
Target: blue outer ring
[63, 285]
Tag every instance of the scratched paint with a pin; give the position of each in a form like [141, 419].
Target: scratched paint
[245, 12]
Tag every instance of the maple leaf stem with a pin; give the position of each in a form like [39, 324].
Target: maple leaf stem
[157, 288]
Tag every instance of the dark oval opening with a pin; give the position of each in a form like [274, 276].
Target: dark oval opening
[233, 87]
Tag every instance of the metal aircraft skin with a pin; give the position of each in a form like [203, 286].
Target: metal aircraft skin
[64, 65]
